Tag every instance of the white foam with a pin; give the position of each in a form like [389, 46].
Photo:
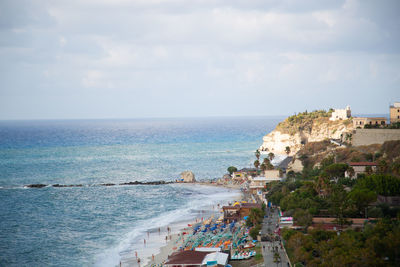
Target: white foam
[208, 197]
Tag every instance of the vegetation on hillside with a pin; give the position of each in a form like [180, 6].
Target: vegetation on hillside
[322, 190]
[304, 121]
[377, 245]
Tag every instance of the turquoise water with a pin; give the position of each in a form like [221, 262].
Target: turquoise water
[92, 225]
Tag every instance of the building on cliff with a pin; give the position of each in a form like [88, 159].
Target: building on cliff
[395, 112]
[361, 167]
[360, 122]
[341, 114]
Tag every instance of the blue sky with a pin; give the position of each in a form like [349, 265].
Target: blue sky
[183, 58]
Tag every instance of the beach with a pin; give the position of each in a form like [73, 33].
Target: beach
[162, 242]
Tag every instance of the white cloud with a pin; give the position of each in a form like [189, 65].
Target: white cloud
[166, 51]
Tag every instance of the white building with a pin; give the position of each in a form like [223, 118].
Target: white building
[341, 114]
[258, 183]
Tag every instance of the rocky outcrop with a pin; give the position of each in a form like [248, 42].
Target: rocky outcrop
[105, 184]
[188, 177]
[36, 185]
[294, 133]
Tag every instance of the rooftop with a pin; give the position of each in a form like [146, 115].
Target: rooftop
[187, 257]
[364, 163]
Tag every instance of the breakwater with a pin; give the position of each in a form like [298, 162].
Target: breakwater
[102, 184]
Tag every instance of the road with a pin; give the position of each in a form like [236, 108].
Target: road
[274, 255]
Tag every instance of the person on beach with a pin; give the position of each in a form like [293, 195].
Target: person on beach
[138, 261]
[159, 230]
[166, 239]
[152, 257]
[136, 254]
[144, 242]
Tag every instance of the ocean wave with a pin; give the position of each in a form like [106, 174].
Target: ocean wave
[203, 198]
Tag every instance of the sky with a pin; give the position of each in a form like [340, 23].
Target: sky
[76, 59]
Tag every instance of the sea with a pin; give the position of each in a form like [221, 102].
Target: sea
[94, 225]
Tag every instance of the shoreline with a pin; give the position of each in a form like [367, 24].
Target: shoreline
[155, 238]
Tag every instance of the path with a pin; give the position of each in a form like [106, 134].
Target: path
[270, 247]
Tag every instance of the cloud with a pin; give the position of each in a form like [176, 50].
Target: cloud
[200, 51]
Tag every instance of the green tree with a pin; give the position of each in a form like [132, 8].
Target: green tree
[263, 167]
[255, 217]
[336, 170]
[287, 150]
[232, 169]
[271, 156]
[268, 164]
[368, 170]
[382, 184]
[257, 153]
[361, 197]
[303, 217]
[339, 204]
[255, 231]
[383, 166]
[256, 164]
[395, 168]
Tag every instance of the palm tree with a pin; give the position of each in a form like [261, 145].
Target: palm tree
[263, 166]
[257, 153]
[287, 149]
[268, 164]
[256, 164]
[271, 156]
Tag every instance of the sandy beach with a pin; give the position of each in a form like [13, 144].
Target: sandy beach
[156, 249]
[177, 238]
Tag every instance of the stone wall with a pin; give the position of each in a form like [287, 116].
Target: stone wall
[362, 137]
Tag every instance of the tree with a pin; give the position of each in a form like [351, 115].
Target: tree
[255, 217]
[368, 170]
[383, 166]
[287, 150]
[339, 204]
[396, 168]
[271, 156]
[382, 184]
[263, 167]
[336, 170]
[256, 164]
[232, 169]
[257, 153]
[351, 172]
[255, 231]
[303, 217]
[268, 164]
[361, 197]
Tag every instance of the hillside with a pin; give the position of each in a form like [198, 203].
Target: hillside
[300, 129]
[313, 154]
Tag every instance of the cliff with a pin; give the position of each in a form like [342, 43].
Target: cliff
[297, 130]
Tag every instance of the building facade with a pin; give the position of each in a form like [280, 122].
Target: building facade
[360, 122]
[361, 167]
[395, 112]
[341, 114]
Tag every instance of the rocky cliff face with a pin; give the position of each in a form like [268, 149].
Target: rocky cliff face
[297, 130]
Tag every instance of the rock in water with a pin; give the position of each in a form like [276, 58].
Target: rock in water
[188, 177]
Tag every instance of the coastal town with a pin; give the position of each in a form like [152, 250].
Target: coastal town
[334, 201]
